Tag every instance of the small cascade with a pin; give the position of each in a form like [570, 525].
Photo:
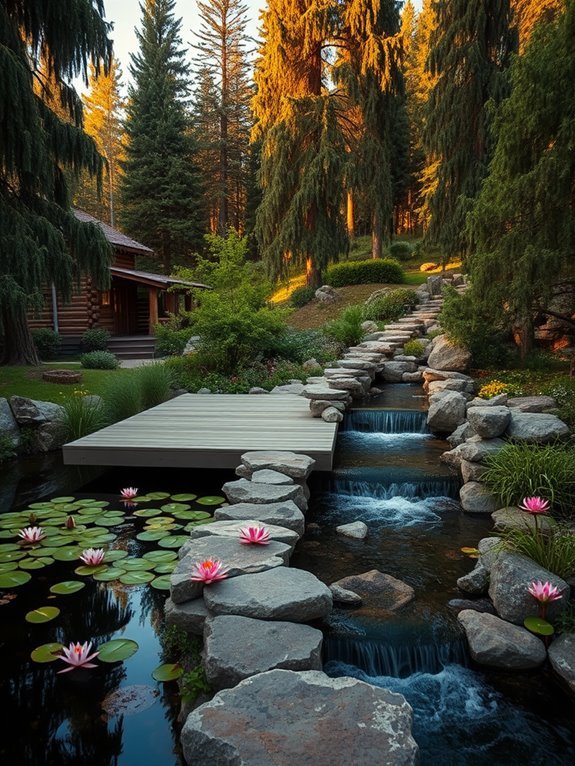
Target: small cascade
[441, 486]
[386, 421]
[376, 658]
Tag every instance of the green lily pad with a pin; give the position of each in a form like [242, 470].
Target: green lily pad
[161, 583]
[46, 653]
[174, 541]
[59, 500]
[67, 554]
[115, 555]
[6, 534]
[117, 649]
[96, 504]
[57, 540]
[137, 564]
[68, 507]
[41, 552]
[40, 506]
[38, 563]
[193, 524]
[42, 614]
[11, 556]
[193, 515]
[67, 587]
[166, 568]
[9, 566]
[157, 495]
[9, 547]
[146, 513]
[211, 500]
[183, 498]
[109, 521]
[161, 556]
[14, 579]
[149, 537]
[174, 507]
[109, 574]
[539, 626]
[168, 672]
[95, 541]
[137, 578]
[85, 571]
[160, 521]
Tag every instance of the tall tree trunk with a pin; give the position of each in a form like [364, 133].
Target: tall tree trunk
[350, 215]
[524, 336]
[19, 347]
[376, 236]
[224, 218]
[312, 273]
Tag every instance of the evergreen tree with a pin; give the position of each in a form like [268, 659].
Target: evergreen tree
[528, 13]
[104, 110]
[40, 239]
[470, 50]
[206, 128]
[222, 42]
[160, 187]
[523, 222]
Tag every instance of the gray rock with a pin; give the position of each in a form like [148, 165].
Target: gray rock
[231, 529]
[258, 390]
[430, 374]
[244, 491]
[447, 413]
[277, 594]
[243, 472]
[477, 449]
[379, 592]
[264, 646]
[495, 401]
[296, 466]
[489, 551]
[331, 415]
[30, 412]
[511, 576]
[289, 388]
[476, 582]
[369, 326]
[451, 384]
[514, 518]
[285, 514]
[477, 605]
[471, 471]
[189, 616]
[286, 718]
[317, 406]
[562, 658]
[447, 356]
[191, 345]
[452, 458]
[411, 377]
[8, 424]
[475, 498]
[489, 422]
[536, 427]
[392, 371]
[356, 529]
[496, 643]
[269, 476]
[319, 391]
[237, 558]
[343, 596]
[47, 437]
[204, 391]
[532, 403]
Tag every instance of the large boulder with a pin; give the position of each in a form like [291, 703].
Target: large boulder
[448, 356]
[471, 471]
[475, 498]
[532, 403]
[514, 518]
[30, 412]
[489, 422]
[189, 616]
[476, 582]
[244, 491]
[496, 643]
[381, 594]
[562, 659]
[445, 414]
[511, 576]
[393, 371]
[476, 449]
[286, 718]
[265, 646]
[536, 427]
[489, 551]
[285, 514]
[8, 424]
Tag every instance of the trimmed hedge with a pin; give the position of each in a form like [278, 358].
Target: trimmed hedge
[365, 272]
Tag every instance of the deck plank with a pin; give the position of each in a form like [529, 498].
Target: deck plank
[208, 431]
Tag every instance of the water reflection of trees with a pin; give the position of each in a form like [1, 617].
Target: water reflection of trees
[57, 720]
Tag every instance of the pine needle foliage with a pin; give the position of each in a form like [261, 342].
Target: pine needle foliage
[43, 45]
[528, 14]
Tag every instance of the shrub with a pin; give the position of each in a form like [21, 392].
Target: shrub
[414, 348]
[347, 329]
[302, 296]
[390, 306]
[82, 415]
[122, 398]
[95, 339]
[300, 345]
[7, 448]
[47, 342]
[170, 340]
[496, 387]
[563, 391]
[401, 251]
[553, 549]
[99, 360]
[525, 470]
[365, 272]
[153, 384]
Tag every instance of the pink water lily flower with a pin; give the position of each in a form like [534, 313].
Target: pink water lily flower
[92, 557]
[31, 534]
[78, 656]
[209, 571]
[129, 493]
[544, 591]
[254, 535]
[535, 505]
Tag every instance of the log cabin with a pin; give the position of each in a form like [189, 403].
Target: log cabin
[130, 310]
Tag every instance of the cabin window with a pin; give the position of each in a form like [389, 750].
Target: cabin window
[105, 298]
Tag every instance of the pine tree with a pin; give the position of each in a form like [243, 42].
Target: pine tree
[160, 188]
[40, 239]
[104, 112]
[528, 13]
[221, 44]
[470, 50]
[523, 222]
[206, 128]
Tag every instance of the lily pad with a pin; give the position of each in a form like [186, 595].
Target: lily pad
[148, 512]
[41, 552]
[115, 555]
[85, 571]
[193, 515]
[150, 537]
[183, 498]
[9, 547]
[40, 506]
[137, 564]
[174, 541]
[166, 568]
[161, 583]
[67, 554]
[211, 500]
[59, 500]
[67, 587]
[46, 653]
[38, 563]
[117, 649]
[8, 566]
[6, 534]
[42, 614]
[109, 574]
[158, 495]
[14, 579]
[11, 556]
[174, 507]
[161, 556]
[168, 672]
[539, 626]
[137, 578]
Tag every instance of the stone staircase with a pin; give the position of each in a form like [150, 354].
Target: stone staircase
[133, 346]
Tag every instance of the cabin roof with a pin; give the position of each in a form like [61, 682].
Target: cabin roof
[114, 237]
[154, 280]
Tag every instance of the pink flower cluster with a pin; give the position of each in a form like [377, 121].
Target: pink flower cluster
[209, 571]
[31, 534]
[544, 592]
[92, 557]
[78, 656]
[535, 505]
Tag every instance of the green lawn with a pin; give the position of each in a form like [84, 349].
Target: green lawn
[27, 381]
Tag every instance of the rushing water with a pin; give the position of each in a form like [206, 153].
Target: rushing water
[387, 474]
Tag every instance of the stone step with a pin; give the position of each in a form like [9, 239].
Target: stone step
[284, 514]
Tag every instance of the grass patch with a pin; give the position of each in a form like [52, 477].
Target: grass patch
[28, 382]
[553, 550]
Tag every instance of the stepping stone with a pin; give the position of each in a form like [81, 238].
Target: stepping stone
[244, 491]
[357, 364]
[290, 463]
[231, 529]
[319, 391]
[381, 593]
[265, 646]
[278, 594]
[269, 476]
[285, 514]
[189, 616]
[286, 718]
[239, 560]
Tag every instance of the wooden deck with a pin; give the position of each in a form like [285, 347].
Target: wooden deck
[208, 431]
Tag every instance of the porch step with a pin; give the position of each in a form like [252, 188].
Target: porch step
[133, 346]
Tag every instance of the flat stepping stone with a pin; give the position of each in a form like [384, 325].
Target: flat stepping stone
[285, 514]
[319, 391]
[269, 476]
[189, 616]
[237, 558]
[244, 491]
[232, 529]
[357, 364]
[288, 718]
[290, 463]
[278, 594]
[265, 646]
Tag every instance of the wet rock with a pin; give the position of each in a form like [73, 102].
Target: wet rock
[244, 491]
[475, 582]
[356, 529]
[447, 356]
[489, 422]
[532, 403]
[269, 476]
[478, 605]
[290, 463]
[562, 658]
[8, 424]
[514, 518]
[496, 643]
[343, 596]
[284, 514]
[489, 550]
[475, 498]
[536, 427]
[231, 529]
[446, 413]
[393, 371]
[378, 590]
[189, 616]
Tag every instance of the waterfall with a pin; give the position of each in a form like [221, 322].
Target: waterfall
[440, 486]
[386, 421]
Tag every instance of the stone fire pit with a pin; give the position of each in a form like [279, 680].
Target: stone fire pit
[62, 376]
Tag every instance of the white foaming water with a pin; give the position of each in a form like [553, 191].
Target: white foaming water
[393, 512]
